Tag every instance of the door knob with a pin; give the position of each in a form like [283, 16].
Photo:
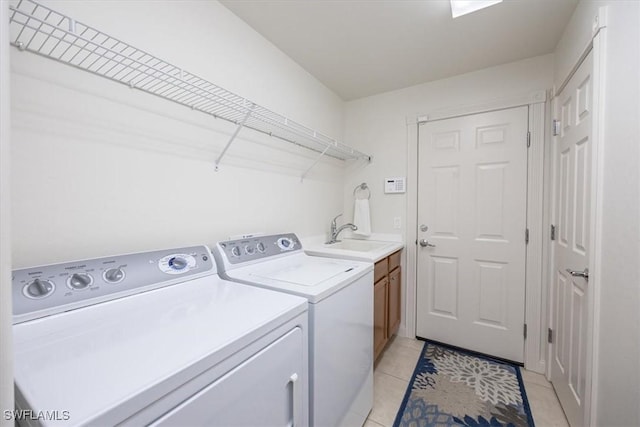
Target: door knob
[425, 243]
[584, 273]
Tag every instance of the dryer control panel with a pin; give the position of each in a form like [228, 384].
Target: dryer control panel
[258, 247]
[51, 289]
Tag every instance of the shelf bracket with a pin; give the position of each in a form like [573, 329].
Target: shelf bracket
[235, 134]
[304, 175]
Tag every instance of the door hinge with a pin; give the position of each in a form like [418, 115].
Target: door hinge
[556, 127]
[528, 139]
[525, 331]
[553, 232]
[526, 236]
[550, 336]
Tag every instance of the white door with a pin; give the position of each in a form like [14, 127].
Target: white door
[572, 155]
[472, 207]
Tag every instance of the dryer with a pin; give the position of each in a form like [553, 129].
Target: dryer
[156, 338]
[340, 297]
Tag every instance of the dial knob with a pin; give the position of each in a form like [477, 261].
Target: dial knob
[261, 247]
[235, 251]
[178, 263]
[39, 288]
[114, 275]
[285, 243]
[249, 250]
[79, 281]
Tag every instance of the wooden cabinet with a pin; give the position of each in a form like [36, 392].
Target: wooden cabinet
[387, 291]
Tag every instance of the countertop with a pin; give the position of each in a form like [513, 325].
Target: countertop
[355, 249]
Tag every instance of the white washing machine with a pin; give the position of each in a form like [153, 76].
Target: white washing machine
[156, 338]
[340, 295]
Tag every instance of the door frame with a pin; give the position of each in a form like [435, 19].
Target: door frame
[535, 351]
[6, 311]
[597, 46]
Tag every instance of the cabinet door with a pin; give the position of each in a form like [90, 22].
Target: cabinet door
[393, 302]
[379, 315]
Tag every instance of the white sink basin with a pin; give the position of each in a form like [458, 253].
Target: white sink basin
[358, 245]
[357, 250]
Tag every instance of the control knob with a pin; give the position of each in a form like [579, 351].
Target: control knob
[285, 243]
[261, 247]
[114, 275]
[79, 281]
[235, 251]
[178, 263]
[39, 289]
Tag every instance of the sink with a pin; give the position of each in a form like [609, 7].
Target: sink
[358, 245]
[357, 250]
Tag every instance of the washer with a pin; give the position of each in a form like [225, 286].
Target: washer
[340, 295]
[156, 338]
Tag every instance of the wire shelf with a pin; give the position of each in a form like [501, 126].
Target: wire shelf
[43, 31]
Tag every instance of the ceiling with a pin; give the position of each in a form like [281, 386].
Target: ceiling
[359, 48]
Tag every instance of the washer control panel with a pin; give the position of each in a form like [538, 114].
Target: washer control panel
[253, 248]
[51, 289]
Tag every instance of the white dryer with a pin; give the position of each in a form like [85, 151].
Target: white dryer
[340, 295]
[156, 338]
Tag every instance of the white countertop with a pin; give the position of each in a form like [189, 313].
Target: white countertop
[355, 249]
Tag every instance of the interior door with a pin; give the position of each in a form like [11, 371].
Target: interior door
[472, 209]
[572, 155]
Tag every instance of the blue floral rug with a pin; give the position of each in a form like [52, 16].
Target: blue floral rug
[452, 387]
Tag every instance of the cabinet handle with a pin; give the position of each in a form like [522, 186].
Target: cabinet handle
[295, 414]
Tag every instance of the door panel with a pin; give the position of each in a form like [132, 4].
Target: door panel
[394, 302]
[379, 321]
[472, 196]
[572, 153]
[445, 287]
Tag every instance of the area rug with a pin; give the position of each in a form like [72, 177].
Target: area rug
[452, 387]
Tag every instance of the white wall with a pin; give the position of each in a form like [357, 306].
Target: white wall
[6, 350]
[618, 366]
[100, 169]
[378, 126]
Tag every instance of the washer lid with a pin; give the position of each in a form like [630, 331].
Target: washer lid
[105, 362]
[304, 273]
[312, 277]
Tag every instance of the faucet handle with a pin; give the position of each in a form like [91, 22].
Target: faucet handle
[333, 221]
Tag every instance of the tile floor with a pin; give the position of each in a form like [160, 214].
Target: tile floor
[395, 367]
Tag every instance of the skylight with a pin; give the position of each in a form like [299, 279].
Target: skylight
[462, 7]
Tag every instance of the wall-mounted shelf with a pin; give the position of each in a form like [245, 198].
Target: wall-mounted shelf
[43, 31]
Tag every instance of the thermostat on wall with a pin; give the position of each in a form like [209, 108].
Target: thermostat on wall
[395, 185]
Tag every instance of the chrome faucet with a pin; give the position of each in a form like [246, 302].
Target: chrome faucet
[335, 230]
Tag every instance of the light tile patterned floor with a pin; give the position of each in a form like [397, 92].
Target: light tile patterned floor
[394, 369]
